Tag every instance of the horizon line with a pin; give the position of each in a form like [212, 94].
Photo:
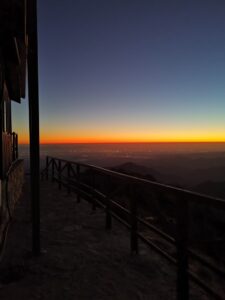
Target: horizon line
[129, 142]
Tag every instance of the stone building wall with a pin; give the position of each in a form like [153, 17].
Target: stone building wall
[11, 190]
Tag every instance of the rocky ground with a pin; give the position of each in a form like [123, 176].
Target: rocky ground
[80, 259]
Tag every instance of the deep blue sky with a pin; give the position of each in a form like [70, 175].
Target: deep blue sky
[141, 70]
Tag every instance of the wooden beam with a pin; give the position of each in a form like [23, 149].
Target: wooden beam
[34, 123]
[1, 114]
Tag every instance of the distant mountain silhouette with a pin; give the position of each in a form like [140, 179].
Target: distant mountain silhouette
[133, 169]
[211, 174]
[211, 188]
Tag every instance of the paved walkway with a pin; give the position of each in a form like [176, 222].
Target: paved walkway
[80, 260]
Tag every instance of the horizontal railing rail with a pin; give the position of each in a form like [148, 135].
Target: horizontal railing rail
[102, 188]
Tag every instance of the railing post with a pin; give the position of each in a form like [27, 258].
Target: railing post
[68, 176]
[182, 250]
[53, 169]
[108, 217]
[78, 183]
[47, 162]
[13, 146]
[16, 147]
[93, 190]
[133, 221]
[59, 175]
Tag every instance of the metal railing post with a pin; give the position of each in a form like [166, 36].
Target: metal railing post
[133, 221]
[59, 175]
[47, 162]
[93, 190]
[108, 217]
[53, 169]
[182, 250]
[78, 183]
[68, 176]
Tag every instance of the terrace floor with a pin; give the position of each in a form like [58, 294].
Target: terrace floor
[80, 259]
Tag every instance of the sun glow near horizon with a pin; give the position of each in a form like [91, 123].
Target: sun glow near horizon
[57, 131]
[160, 137]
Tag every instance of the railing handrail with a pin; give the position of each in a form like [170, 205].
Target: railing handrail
[205, 199]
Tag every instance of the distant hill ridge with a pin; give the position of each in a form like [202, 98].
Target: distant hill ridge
[133, 169]
[207, 187]
[212, 188]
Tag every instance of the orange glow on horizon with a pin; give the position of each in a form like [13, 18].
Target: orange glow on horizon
[123, 133]
[92, 140]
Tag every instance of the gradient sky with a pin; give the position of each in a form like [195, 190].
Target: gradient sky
[116, 70]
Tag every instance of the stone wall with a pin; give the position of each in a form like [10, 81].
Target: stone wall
[11, 190]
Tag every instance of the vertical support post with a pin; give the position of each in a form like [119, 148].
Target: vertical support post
[8, 116]
[13, 147]
[78, 183]
[17, 155]
[53, 169]
[1, 118]
[59, 175]
[93, 189]
[34, 123]
[108, 217]
[134, 222]
[47, 166]
[68, 176]
[182, 250]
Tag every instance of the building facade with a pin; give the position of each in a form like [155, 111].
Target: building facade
[12, 88]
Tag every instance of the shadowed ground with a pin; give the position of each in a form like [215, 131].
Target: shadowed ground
[80, 260]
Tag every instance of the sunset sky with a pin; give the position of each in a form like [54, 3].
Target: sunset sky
[125, 70]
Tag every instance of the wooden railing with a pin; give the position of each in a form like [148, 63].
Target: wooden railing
[170, 221]
[9, 150]
[14, 146]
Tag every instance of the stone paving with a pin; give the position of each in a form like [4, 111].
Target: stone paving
[80, 259]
